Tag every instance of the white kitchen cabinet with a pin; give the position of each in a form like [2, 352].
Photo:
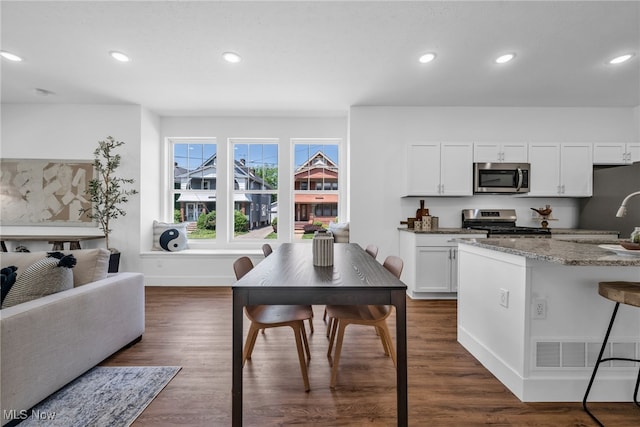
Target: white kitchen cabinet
[616, 153]
[506, 152]
[440, 169]
[561, 169]
[431, 263]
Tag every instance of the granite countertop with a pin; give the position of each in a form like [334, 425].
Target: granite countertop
[444, 230]
[579, 231]
[558, 251]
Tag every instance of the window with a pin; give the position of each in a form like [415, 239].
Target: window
[316, 182]
[194, 185]
[255, 188]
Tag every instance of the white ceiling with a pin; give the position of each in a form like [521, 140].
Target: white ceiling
[320, 57]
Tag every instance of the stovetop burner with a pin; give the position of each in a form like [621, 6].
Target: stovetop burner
[499, 222]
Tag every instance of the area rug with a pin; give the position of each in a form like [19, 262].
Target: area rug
[104, 396]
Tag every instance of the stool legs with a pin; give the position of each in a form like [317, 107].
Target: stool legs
[600, 360]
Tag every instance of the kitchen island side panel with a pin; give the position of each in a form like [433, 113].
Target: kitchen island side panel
[548, 358]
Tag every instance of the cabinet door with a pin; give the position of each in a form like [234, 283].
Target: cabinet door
[633, 152]
[433, 268]
[545, 169]
[609, 153]
[486, 152]
[423, 169]
[576, 170]
[515, 152]
[456, 169]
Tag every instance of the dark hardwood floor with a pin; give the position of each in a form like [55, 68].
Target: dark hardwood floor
[191, 327]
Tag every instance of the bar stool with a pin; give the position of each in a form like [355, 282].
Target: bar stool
[622, 293]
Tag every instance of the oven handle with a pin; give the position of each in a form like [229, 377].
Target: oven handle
[520, 179]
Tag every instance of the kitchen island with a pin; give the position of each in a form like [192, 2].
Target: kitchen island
[530, 312]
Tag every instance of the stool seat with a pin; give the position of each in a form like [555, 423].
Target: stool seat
[623, 292]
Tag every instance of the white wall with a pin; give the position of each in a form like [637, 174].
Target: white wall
[38, 131]
[378, 136]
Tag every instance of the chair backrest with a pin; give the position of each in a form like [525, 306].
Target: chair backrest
[266, 249]
[394, 264]
[242, 266]
[372, 250]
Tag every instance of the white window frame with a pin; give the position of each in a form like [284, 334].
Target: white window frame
[232, 239]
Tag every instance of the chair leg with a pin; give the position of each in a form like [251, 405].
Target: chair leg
[380, 334]
[303, 332]
[386, 336]
[311, 325]
[332, 338]
[598, 361]
[342, 325]
[249, 343]
[298, 332]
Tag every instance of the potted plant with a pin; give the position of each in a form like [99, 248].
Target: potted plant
[107, 192]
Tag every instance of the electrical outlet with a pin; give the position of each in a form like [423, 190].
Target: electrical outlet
[540, 308]
[504, 298]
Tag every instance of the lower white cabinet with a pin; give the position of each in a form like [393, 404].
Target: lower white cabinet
[431, 263]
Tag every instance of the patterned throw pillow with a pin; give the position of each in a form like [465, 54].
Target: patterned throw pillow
[47, 276]
[8, 278]
[169, 237]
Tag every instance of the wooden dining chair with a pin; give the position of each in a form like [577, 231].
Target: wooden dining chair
[371, 250]
[368, 315]
[274, 316]
[267, 249]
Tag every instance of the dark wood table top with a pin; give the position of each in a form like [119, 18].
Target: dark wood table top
[291, 266]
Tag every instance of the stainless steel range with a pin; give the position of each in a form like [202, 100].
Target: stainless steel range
[499, 223]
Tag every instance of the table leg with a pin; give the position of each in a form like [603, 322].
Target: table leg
[57, 246]
[74, 244]
[239, 301]
[4, 247]
[399, 301]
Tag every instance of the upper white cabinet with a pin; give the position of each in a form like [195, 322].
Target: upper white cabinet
[616, 153]
[440, 169]
[506, 152]
[561, 169]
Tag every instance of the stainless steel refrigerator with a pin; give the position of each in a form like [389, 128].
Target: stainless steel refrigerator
[610, 186]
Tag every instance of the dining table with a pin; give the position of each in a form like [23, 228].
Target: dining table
[289, 276]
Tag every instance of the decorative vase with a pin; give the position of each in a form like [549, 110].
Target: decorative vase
[422, 211]
[323, 249]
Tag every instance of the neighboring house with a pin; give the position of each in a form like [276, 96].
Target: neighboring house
[318, 177]
[256, 207]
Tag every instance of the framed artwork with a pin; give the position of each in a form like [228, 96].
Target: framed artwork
[44, 192]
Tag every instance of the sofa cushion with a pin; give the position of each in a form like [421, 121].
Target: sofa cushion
[44, 277]
[169, 237]
[340, 231]
[92, 264]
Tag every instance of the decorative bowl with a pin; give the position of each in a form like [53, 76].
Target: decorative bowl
[630, 246]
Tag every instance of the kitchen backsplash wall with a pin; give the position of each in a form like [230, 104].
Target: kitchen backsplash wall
[448, 209]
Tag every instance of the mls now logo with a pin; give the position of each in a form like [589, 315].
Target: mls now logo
[14, 414]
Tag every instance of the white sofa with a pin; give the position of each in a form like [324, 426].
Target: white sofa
[50, 341]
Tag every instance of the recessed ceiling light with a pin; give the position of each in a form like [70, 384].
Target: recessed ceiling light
[622, 58]
[119, 56]
[427, 57]
[502, 59]
[231, 57]
[10, 56]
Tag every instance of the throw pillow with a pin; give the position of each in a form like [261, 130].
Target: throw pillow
[47, 276]
[169, 237]
[7, 279]
[340, 231]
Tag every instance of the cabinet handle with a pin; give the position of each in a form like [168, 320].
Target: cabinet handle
[562, 188]
[453, 253]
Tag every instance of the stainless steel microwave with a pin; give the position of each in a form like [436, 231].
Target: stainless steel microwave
[509, 178]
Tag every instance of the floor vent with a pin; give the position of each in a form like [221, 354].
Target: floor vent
[560, 354]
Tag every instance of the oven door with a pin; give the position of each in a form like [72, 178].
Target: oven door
[511, 178]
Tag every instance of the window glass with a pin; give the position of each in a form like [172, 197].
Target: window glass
[316, 184]
[255, 183]
[194, 186]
